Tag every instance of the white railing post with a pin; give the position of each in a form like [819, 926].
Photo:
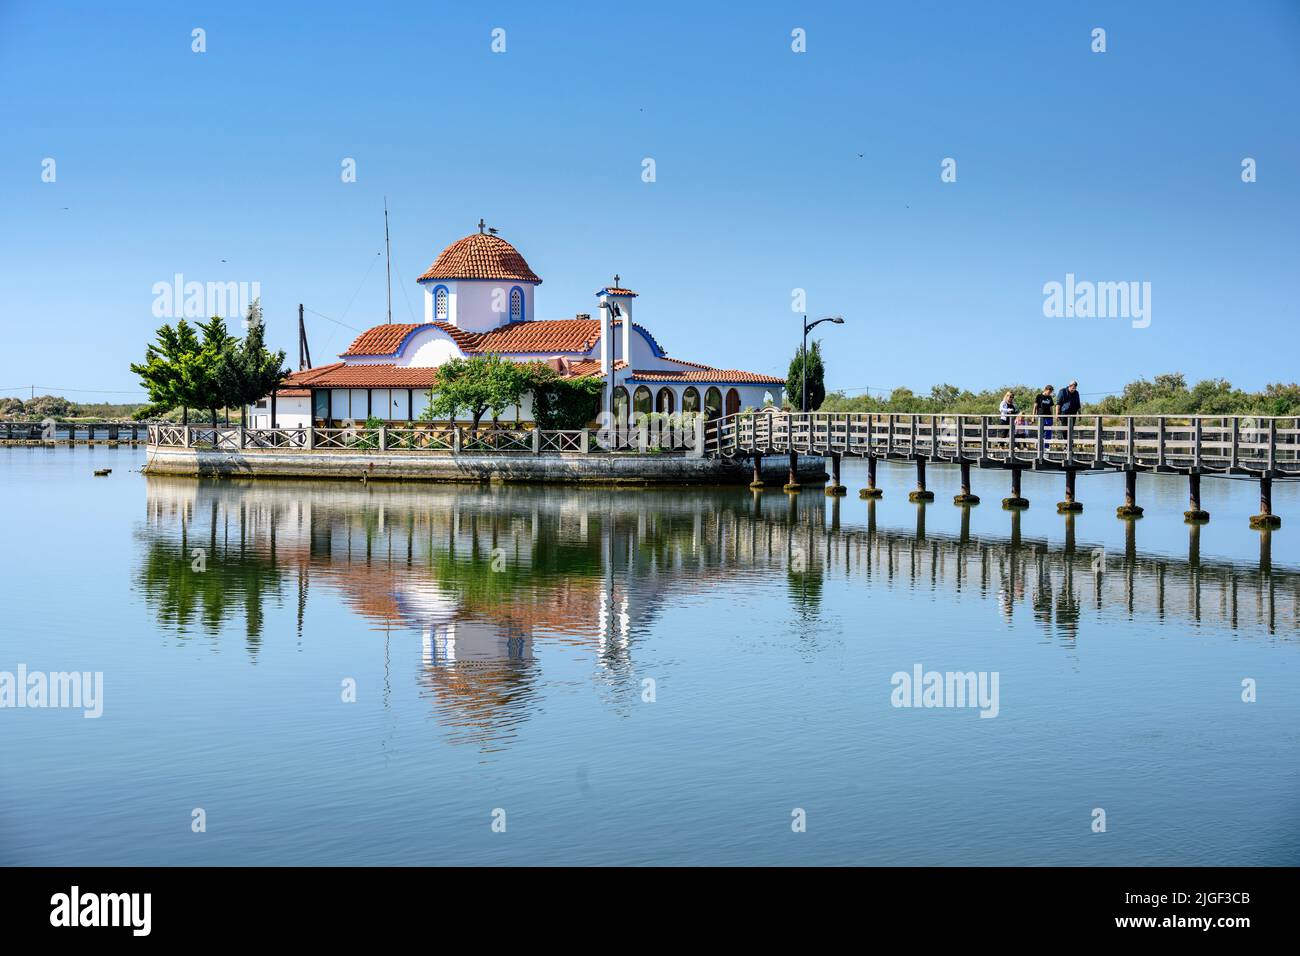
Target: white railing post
[311, 436]
[1069, 439]
[243, 437]
[1236, 440]
[537, 441]
[984, 437]
[383, 438]
[1272, 444]
[455, 439]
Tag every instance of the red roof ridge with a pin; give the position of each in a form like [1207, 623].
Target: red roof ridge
[721, 376]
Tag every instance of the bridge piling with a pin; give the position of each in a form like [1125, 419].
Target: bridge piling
[792, 481]
[1265, 519]
[965, 498]
[1194, 513]
[1129, 509]
[1015, 502]
[920, 494]
[871, 491]
[758, 472]
[1069, 505]
[835, 488]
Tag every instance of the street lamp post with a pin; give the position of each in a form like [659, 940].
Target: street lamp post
[792, 482]
[803, 354]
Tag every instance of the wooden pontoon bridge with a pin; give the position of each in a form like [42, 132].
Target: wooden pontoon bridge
[1234, 446]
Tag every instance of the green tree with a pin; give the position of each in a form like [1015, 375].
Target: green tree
[247, 370]
[478, 385]
[218, 346]
[176, 372]
[562, 403]
[816, 374]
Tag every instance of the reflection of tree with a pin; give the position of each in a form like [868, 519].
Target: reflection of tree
[806, 589]
[235, 579]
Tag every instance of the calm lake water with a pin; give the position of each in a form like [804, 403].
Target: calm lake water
[501, 641]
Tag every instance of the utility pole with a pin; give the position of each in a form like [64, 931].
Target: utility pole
[304, 351]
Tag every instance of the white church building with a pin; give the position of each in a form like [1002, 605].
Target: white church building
[480, 298]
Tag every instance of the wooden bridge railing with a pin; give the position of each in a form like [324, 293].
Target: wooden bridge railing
[1187, 444]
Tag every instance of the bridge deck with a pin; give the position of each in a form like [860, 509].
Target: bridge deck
[1209, 445]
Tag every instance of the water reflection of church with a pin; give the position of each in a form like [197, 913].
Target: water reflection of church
[487, 577]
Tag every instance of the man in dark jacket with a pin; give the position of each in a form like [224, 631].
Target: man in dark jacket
[1070, 403]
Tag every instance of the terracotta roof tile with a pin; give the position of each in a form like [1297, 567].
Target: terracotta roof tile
[381, 375]
[575, 336]
[381, 340]
[544, 335]
[615, 290]
[481, 256]
[586, 367]
[307, 376]
[711, 375]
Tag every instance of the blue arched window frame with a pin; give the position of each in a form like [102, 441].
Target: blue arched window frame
[447, 298]
[522, 304]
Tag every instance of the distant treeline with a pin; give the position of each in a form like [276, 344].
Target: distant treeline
[59, 408]
[1166, 394]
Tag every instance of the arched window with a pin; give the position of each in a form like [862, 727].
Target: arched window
[440, 304]
[691, 400]
[733, 401]
[516, 304]
[620, 405]
[642, 401]
[712, 403]
[664, 401]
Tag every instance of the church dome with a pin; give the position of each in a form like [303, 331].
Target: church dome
[481, 255]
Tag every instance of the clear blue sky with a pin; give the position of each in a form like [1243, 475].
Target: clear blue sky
[775, 170]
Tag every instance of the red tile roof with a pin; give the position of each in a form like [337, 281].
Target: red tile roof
[381, 340]
[381, 375]
[586, 367]
[293, 392]
[704, 374]
[307, 376]
[615, 290]
[481, 256]
[547, 335]
[544, 335]
[388, 339]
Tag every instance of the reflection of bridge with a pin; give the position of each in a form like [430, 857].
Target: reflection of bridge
[1230, 446]
[488, 578]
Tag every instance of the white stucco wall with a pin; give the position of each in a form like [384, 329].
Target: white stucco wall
[291, 412]
[427, 348]
[472, 304]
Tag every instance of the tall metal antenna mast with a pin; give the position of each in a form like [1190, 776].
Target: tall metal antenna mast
[388, 256]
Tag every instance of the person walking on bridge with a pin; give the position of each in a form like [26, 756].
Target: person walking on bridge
[1043, 402]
